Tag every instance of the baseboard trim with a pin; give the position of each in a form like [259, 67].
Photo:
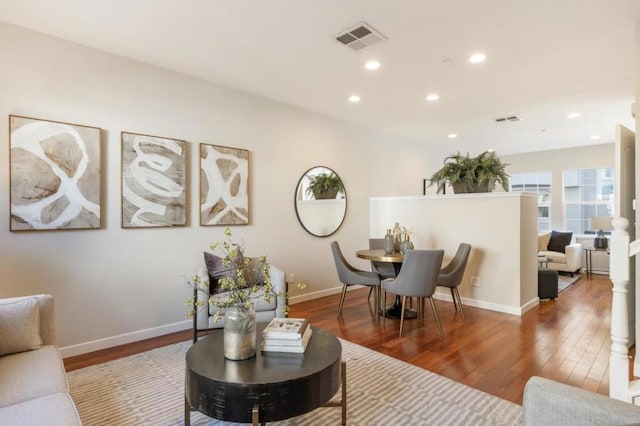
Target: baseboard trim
[322, 293]
[123, 339]
[483, 304]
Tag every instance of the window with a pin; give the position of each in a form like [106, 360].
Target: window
[537, 183]
[587, 193]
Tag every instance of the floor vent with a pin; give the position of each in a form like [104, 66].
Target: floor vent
[360, 36]
[512, 118]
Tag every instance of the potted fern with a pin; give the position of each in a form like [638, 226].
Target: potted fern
[325, 186]
[471, 174]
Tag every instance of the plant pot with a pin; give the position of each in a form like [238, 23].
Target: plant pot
[329, 194]
[461, 188]
[239, 333]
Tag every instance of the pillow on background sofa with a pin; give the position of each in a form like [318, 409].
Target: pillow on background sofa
[543, 241]
[19, 326]
[559, 240]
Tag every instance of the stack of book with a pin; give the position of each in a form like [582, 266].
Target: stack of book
[286, 335]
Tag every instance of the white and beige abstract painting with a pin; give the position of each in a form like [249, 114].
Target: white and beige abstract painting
[55, 175]
[224, 185]
[154, 181]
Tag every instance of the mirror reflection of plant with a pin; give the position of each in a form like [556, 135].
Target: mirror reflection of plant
[242, 281]
[324, 182]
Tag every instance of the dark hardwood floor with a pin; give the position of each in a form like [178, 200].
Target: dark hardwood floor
[567, 340]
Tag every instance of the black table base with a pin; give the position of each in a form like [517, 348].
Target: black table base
[395, 311]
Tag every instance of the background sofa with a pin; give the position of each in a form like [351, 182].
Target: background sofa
[551, 403]
[33, 382]
[562, 254]
[265, 311]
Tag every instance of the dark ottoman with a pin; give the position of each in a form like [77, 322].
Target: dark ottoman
[547, 283]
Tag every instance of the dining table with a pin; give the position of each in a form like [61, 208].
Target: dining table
[379, 255]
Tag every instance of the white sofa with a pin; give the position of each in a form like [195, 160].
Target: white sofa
[569, 261]
[33, 382]
[203, 318]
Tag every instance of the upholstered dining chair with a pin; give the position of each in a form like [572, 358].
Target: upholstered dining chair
[383, 269]
[417, 278]
[451, 275]
[348, 275]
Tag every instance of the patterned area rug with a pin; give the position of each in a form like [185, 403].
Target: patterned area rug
[148, 389]
[564, 281]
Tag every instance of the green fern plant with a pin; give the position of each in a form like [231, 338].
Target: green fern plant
[470, 173]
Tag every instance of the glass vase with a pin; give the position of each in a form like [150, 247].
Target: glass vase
[239, 333]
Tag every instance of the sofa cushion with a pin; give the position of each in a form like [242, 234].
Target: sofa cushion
[543, 241]
[559, 240]
[19, 326]
[554, 256]
[259, 303]
[52, 410]
[31, 374]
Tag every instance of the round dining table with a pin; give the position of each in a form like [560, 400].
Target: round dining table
[379, 255]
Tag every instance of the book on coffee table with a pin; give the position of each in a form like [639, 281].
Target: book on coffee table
[287, 345]
[286, 328]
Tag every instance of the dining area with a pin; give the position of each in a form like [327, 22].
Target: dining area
[411, 275]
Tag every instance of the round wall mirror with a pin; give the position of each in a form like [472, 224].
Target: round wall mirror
[320, 201]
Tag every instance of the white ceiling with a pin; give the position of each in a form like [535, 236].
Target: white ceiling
[545, 59]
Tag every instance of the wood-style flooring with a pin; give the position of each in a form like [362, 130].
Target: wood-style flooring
[567, 340]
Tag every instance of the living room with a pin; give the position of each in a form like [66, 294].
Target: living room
[114, 286]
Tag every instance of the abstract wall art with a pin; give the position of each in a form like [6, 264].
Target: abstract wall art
[224, 185]
[55, 176]
[154, 181]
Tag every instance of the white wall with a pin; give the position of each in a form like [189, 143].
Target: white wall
[595, 156]
[501, 229]
[115, 282]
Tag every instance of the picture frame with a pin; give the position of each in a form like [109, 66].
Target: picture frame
[55, 175]
[224, 185]
[153, 181]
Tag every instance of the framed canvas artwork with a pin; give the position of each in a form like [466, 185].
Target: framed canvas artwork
[55, 176]
[224, 185]
[154, 181]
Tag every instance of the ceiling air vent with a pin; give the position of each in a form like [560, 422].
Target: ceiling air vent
[360, 36]
[512, 118]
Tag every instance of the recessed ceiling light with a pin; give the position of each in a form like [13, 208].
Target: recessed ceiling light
[372, 65]
[594, 137]
[573, 115]
[476, 58]
[452, 135]
[354, 99]
[433, 97]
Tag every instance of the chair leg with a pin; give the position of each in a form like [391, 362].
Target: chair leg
[453, 296]
[344, 292]
[369, 296]
[384, 308]
[376, 302]
[435, 313]
[404, 301]
[457, 293]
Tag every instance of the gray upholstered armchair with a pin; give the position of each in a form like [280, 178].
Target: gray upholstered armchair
[203, 318]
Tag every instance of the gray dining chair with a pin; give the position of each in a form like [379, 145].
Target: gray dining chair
[417, 278]
[451, 275]
[383, 269]
[348, 275]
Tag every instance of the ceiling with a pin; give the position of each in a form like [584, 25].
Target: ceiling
[545, 59]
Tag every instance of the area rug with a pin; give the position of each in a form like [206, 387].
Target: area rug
[148, 389]
[564, 281]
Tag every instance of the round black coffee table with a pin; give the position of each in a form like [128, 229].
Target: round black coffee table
[268, 387]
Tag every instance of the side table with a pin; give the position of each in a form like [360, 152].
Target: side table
[588, 257]
[268, 387]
